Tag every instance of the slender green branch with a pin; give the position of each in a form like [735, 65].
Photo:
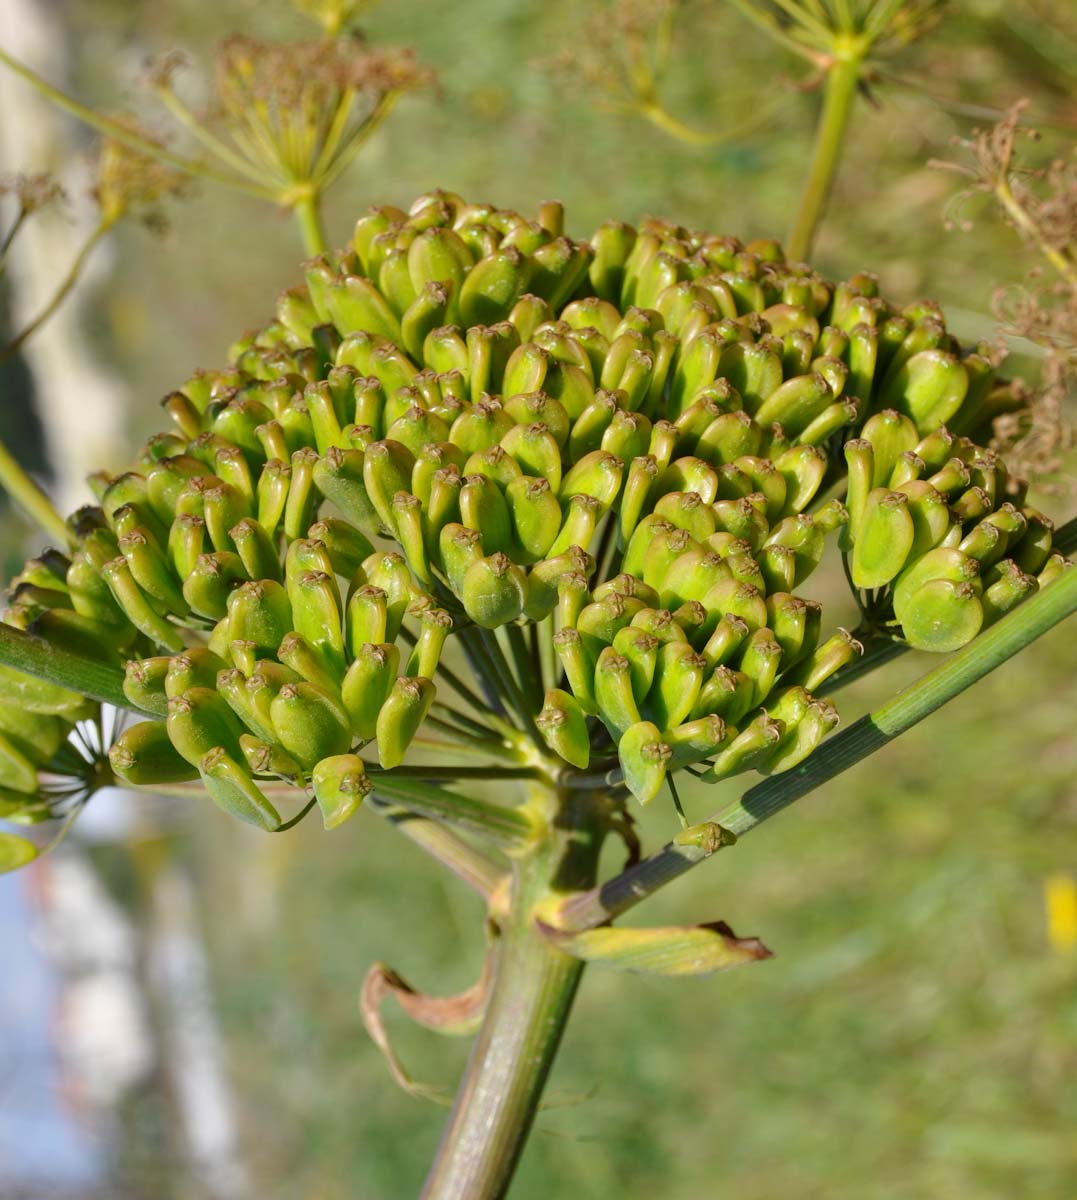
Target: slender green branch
[463, 691]
[119, 132]
[22, 489]
[451, 774]
[530, 678]
[346, 154]
[663, 119]
[509, 688]
[769, 26]
[60, 835]
[484, 671]
[810, 25]
[87, 676]
[842, 80]
[334, 133]
[964, 668]
[462, 727]
[11, 234]
[508, 827]
[61, 293]
[292, 822]
[466, 745]
[486, 667]
[208, 140]
[1020, 217]
[470, 864]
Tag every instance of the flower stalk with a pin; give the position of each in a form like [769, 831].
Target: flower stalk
[839, 95]
[308, 217]
[39, 657]
[531, 997]
[25, 492]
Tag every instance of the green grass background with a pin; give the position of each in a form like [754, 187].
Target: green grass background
[915, 1035]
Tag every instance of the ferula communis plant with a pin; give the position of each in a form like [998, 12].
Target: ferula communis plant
[592, 474]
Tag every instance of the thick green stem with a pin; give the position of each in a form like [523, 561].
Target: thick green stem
[532, 993]
[22, 489]
[908, 708]
[919, 700]
[35, 656]
[308, 215]
[842, 79]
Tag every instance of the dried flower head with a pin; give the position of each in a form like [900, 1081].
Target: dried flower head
[1040, 203]
[131, 184]
[297, 111]
[33, 192]
[623, 51]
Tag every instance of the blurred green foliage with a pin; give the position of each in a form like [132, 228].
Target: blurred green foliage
[915, 1034]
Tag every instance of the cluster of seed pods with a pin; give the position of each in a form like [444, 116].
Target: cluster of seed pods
[630, 448]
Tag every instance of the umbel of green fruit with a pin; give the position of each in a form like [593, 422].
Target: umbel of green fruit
[628, 450]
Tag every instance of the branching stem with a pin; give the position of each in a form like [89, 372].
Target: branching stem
[962, 669]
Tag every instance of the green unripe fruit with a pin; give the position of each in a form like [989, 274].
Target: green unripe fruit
[563, 724]
[494, 591]
[883, 539]
[679, 675]
[144, 683]
[578, 665]
[942, 616]
[309, 723]
[748, 748]
[836, 652]
[400, 717]
[340, 785]
[1007, 591]
[212, 580]
[144, 755]
[260, 612]
[198, 721]
[929, 387]
[644, 759]
[230, 786]
[367, 684]
[197, 666]
[137, 608]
